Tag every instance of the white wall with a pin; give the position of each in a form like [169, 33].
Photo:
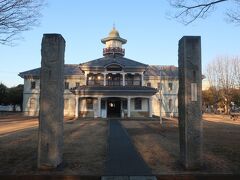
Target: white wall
[166, 95]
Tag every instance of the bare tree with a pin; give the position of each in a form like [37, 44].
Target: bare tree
[17, 16]
[189, 11]
[223, 76]
[236, 71]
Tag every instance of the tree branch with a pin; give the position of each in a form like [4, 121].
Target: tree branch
[17, 16]
[189, 12]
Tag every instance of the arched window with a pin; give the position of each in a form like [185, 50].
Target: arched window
[32, 103]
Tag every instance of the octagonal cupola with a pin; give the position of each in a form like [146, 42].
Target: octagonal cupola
[113, 44]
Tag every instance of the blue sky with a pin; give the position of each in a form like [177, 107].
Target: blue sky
[152, 37]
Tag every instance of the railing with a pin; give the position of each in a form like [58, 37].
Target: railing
[133, 82]
[114, 83]
[95, 82]
[112, 50]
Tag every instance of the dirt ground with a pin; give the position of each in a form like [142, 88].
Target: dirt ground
[84, 146]
[159, 145]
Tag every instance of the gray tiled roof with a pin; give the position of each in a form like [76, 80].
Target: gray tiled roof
[135, 90]
[69, 70]
[107, 60]
[157, 70]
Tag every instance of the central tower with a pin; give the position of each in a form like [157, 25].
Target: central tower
[113, 44]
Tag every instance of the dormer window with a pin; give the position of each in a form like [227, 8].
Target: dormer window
[114, 67]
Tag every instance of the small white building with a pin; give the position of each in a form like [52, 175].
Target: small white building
[111, 86]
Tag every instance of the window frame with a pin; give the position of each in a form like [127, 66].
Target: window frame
[170, 86]
[66, 85]
[32, 103]
[89, 103]
[138, 103]
[160, 86]
[33, 85]
[77, 84]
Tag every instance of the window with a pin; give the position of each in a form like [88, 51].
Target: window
[103, 104]
[66, 103]
[148, 84]
[138, 103]
[170, 104]
[124, 104]
[77, 84]
[170, 86]
[114, 67]
[66, 85]
[32, 103]
[159, 86]
[33, 85]
[89, 102]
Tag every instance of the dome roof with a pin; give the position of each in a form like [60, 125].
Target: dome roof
[113, 35]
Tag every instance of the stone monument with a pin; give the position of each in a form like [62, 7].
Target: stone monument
[190, 101]
[50, 133]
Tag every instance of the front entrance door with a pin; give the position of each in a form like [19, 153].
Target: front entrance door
[114, 107]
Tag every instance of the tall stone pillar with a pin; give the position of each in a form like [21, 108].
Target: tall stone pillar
[190, 101]
[50, 133]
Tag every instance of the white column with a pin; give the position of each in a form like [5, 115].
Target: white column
[77, 106]
[86, 79]
[142, 80]
[99, 106]
[150, 106]
[123, 75]
[129, 107]
[104, 79]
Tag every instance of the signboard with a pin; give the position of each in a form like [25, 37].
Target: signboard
[193, 91]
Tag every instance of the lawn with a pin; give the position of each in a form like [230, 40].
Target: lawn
[85, 145]
[159, 145]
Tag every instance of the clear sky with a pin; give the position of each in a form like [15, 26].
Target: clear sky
[152, 37]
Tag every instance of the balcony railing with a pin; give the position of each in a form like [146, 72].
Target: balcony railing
[114, 83]
[112, 50]
[133, 82]
[95, 83]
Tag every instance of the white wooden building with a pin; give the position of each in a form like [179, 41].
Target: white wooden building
[111, 86]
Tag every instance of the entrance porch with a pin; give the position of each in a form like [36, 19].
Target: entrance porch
[113, 107]
[107, 102]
